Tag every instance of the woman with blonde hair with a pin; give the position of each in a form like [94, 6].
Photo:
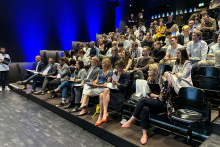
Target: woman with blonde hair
[95, 88]
[153, 103]
[175, 30]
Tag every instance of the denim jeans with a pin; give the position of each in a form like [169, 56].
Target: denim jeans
[64, 88]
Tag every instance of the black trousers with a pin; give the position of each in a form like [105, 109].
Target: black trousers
[76, 95]
[5, 73]
[48, 82]
[147, 106]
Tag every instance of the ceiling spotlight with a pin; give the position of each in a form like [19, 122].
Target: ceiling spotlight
[130, 5]
[168, 5]
[142, 9]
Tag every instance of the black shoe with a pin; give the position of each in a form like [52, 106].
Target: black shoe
[39, 92]
[70, 105]
[81, 114]
[61, 104]
[52, 96]
[74, 110]
[32, 91]
[21, 83]
[81, 108]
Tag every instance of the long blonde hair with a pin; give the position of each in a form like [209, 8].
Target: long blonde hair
[156, 67]
[108, 63]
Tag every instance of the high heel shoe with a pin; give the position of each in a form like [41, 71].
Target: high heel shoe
[97, 124]
[124, 126]
[104, 120]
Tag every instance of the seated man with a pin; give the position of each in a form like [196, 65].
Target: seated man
[141, 27]
[211, 60]
[39, 66]
[136, 52]
[208, 25]
[134, 39]
[185, 37]
[49, 70]
[125, 42]
[170, 22]
[168, 35]
[170, 57]
[143, 62]
[76, 92]
[136, 32]
[115, 57]
[191, 24]
[158, 53]
[109, 52]
[94, 51]
[131, 32]
[197, 48]
[121, 48]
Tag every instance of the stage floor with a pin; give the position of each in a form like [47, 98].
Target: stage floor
[23, 123]
[158, 137]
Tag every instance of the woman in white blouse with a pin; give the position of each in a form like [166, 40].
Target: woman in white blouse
[82, 57]
[126, 55]
[175, 30]
[4, 68]
[87, 49]
[181, 73]
[197, 23]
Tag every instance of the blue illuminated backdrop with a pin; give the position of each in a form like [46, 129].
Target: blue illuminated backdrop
[27, 26]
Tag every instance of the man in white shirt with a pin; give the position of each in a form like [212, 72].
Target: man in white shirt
[136, 32]
[168, 35]
[171, 52]
[125, 42]
[185, 37]
[197, 48]
[141, 27]
[134, 39]
[131, 32]
[136, 52]
[191, 24]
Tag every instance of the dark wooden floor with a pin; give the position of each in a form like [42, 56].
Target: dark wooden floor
[159, 137]
[24, 123]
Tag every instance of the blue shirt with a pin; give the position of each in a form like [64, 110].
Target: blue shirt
[103, 78]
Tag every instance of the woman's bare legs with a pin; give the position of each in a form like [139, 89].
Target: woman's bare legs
[85, 97]
[106, 100]
[144, 137]
[168, 78]
[101, 108]
[129, 123]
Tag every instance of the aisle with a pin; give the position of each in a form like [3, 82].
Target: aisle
[24, 123]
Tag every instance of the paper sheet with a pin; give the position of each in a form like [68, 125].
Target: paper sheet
[115, 78]
[111, 86]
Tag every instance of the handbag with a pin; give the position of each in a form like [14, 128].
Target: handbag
[97, 111]
[135, 99]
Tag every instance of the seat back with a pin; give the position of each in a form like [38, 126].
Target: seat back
[211, 83]
[162, 39]
[165, 68]
[208, 72]
[191, 97]
[205, 35]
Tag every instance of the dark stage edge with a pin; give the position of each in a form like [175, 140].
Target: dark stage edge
[111, 131]
[99, 132]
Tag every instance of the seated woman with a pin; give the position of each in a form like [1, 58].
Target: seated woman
[181, 73]
[175, 30]
[126, 56]
[98, 85]
[101, 46]
[197, 23]
[152, 103]
[117, 97]
[87, 49]
[72, 55]
[141, 36]
[148, 41]
[161, 30]
[77, 77]
[82, 57]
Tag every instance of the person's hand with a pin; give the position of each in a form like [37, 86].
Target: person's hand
[72, 66]
[93, 83]
[176, 74]
[114, 82]
[90, 58]
[82, 83]
[34, 70]
[105, 84]
[165, 59]
[41, 73]
[203, 28]
[71, 79]
[136, 69]
[131, 71]
[95, 86]
[52, 76]
[60, 67]
[2, 61]
[44, 75]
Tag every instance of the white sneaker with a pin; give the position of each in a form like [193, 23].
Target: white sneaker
[0, 88]
[7, 88]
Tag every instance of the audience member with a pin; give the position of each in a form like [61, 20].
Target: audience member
[142, 65]
[191, 24]
[104, 36]
[115, 57]
[109, 52]
[77, 77]
[131, 32]
[185, 37]
[168, 35]
[170, 22]
[197, 24]
[136, 51]
[148, 41]
[141, 36]
[72, 55]
[117, 33]
[208, 25]
[197, 48]
[126, 56]
[203, 13]
[158, 53]
[125, 42]
[94, 51]
[160, 30]
[82, 57]
[126, 30]
[152, 29]
[38, 65]
[171, 52]
[87, 49]
[97, 86]
[4, 68]
[136, 31]
[116, 96]
[211, 60]
[131, 19]
[216, 34]
[140, 18]
[101, 46]
[181, 73]
[134, 39]
[154, 104]
[121, 48]
[175, 30]
[141, 27]
[49, 70]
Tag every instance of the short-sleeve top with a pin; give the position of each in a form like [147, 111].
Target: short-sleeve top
[103, 78]
[4, 67]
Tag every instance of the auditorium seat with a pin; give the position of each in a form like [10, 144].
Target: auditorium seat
[162, 39]
[46, 54]
[165, 68]
[209, 72]
[192, 109]
[205, 35]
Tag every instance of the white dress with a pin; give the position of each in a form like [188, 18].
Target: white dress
[184, 76]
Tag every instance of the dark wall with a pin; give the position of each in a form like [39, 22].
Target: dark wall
[28, 26]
